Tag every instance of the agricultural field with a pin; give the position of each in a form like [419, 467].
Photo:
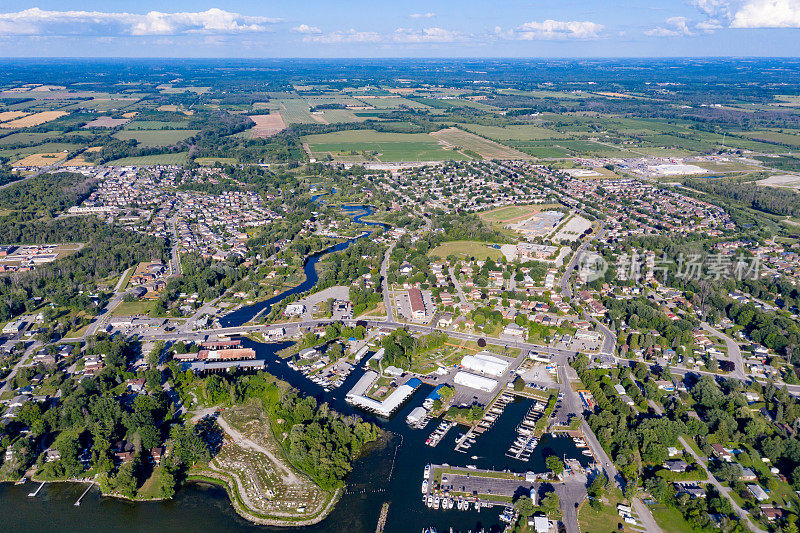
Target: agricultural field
[106, 122]
[517, 132]
[338, 116]
[11, 115]
[29, 138]
[790, 139]
[14, 154]
[35, 119]
[391, 102]
[153, 138]
[296, 111]
[210, 161]
[155, 125]
[385, 146]
[266, 125]
[466, 250]
[483, 147]
[41, 159]
[180, 158]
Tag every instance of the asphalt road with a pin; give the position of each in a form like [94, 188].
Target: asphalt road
[734, 353]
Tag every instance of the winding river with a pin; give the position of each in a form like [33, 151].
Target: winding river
[392, 472]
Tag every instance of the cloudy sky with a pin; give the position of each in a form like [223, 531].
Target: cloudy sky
[383, 28]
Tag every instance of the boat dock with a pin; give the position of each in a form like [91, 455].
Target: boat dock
[77, 503]
[526, 440]
[36, 492]
[494, 410]
[439, 433]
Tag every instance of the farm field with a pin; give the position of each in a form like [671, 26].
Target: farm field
[11, 115]
[391, 102]
[180, 158]
[155, 125]
[152, 138]
[337, 116]
[388, 146]
[209, 161]
[266, 125]
[106, 122]
[14, 154]
[466, 249]
[29, 138]
[41, 160]
[519, 132]
[485, 148]
[789, 139]
[35, 119]
[296, 111]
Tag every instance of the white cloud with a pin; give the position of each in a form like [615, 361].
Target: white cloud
[36, 21]
[768, 14]
[426, 35]
[350, 36]
[422, 15]
[676, 26]
[750, 13]
[555, 30]
[305, 28]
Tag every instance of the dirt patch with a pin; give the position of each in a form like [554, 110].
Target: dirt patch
[267, 125]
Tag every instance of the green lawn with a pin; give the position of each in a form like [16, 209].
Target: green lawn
[670, 520]
[134, 308]
[517, 132]
[466, 249]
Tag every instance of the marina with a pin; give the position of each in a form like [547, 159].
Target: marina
[491, 414]
[524, 444]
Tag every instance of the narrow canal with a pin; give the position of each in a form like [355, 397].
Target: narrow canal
[391, 472]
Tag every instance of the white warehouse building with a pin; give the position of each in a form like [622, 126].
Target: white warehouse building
[474, 381]
[484, 363]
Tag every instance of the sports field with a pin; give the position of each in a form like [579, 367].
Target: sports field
[386, 146]
[485, 148]
[467, 249]
[151, 138]
[180, 158]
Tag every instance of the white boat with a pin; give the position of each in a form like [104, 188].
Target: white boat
[472, 467]
[430, 501]
[427, 473]
[425, 486]
[436, 502]
[587, 453]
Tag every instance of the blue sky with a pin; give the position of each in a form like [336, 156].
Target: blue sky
[380, 28]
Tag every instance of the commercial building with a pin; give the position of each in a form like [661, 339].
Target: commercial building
[484, 363]
[357, 395]
[417, 304]
[474, 381]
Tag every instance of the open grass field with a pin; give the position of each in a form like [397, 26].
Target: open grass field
[180, 158]
[487, 149]
[513, 212]
[519, 132]
[41, 160]
[466, 249]
[338, 116]
[266, 125]
[154, 138]
[387, 146]
[35, 119]
[134, 308]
